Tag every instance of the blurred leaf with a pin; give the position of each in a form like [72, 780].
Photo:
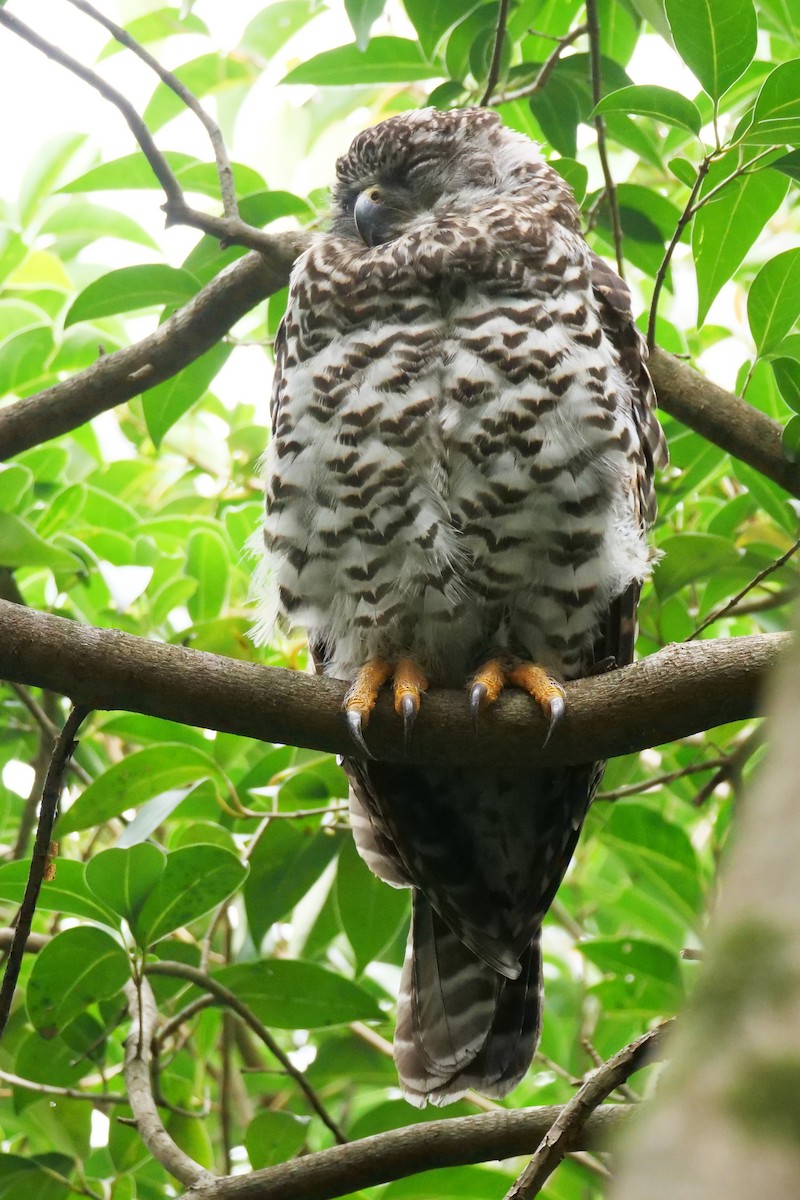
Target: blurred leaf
[691, 556]
[195, 880]
[44, 171]
[274, 1137]
[23, 358]
[287, 859]
[433, 18]
[649, 962]
[574, 173]
[788, 164]
[137, 778]
[21, 546]
[787, 377]
[166, 403]
[31, 1176]
[123, 878]
[715, 38]
[370, 911]
[72, 971]
[776, 116]
[130, 288]
[79, 223]
[210, 73]
[155, 27]
[650, 100]
[67, 893]
[773, 304]
[385, 60]
[724, 230]
[208, 561]
[270, 29]
[658, 856]
[297, 995]
[362, 15]
[790, 440]
[134, 171]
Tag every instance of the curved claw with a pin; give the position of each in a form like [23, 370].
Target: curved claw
[354, 724]
[409, 707]
[555, 712]
[477, 698]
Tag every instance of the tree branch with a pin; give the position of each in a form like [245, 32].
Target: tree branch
[190, 332]
[596, 80]
[681, 690]
[51, 794]
[144, 1016]
[453, 1142]
[722, 418]
[497, 53]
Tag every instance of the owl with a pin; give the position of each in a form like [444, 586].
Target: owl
[458, 488]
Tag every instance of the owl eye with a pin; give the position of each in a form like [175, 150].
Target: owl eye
[375, 220]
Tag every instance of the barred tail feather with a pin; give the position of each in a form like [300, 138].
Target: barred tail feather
[460, 1024]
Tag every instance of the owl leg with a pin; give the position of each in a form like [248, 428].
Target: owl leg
[488, 682]
[409, 683]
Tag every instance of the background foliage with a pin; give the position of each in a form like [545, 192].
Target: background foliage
[233, 855]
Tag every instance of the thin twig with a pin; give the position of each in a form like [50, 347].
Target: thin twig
[595, 58]
[51, 794]
[647, 785]
[732, 767]
[224, 170]
[594, 1054]
[166, 1030]
[556, 1142]
[683, 221]
[545, 71]
[748, 587]
[99, 1099]
[497, 53]
[228, 230]
[138, 1057]
[226, 997]
[47, 726]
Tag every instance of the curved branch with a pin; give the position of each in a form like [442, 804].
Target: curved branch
[722, 418]
[144, 1017]
[681, 690]
[456, 1141]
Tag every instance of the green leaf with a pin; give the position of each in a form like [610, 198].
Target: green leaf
[274, 1137]
[652, 965]
[370, 912]
[21, 546]
[789, 165]
[33, 1177]
[67, 893]
[385, 60]
[44, 171]
[208, 74]
[166, 403]
[683, 170]
[130, 288]
[207, 259]
[787, 377]
[432, 19]
[660, 103]
[362, 15]
[208, 561]
[298, 995]
[692, 556]
[574, 173]
[715, 38]
[137, 778]
[725, 229]
[134, 171]
[658, 856]
[156, 27]
[768, 495]
[75, 969]
[123, 878]
[776, 116]
[790, 440]
[272, 28]
[195, 880]
[79, 223]
[15, 482]
[773, 305]
[24, 358]
[287, 859]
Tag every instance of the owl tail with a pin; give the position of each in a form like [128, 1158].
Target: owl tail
[460, 1024]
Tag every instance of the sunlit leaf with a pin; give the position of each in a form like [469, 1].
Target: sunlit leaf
[715, 38]
[123, 878]
[130, 288]
[385, 60]
[650, 100]
[167, 402]
[776, 116]
[773, 304]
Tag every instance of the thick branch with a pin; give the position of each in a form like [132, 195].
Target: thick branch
[402, 1152]
[117, 377]
[723, 418]
[679, 691]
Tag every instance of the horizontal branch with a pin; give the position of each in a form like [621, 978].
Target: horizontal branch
[679, 691]
[722, 418]
[454, 1142]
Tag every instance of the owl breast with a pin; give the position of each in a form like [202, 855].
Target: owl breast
[450, 472]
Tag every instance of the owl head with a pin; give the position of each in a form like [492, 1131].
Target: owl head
[420, 162]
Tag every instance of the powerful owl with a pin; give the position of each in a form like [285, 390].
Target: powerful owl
[459, 483]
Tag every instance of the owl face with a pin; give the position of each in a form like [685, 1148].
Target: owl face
[418, 163]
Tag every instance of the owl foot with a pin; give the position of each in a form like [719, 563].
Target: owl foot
[488, 682]
[409, 683]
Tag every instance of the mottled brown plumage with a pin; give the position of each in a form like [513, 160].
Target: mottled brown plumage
[460, 470]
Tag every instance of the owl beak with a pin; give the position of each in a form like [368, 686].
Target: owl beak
[376, 221]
